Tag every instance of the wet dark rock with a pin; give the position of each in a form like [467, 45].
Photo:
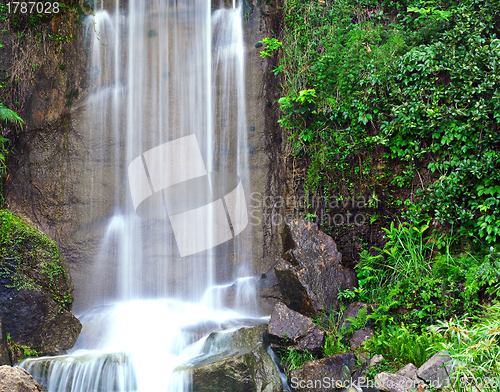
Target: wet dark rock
[360, 336]
[311, 274]
[34, 319]
[352, 311]
[290, 329]
[16, 379]
[268, 291]
[4, 352]
[242, 322]
[236, 361]
[194, 332]
[258, 44]
[329, 370]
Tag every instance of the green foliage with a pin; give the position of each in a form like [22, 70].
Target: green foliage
[419, 278]
[343, 62]
[293, 359]
[403, 258]
[383, 366]
[448, 101]
[474, 346]
[8, 115]
[4, 153]
[404, 344]
[334, 344]
[337, 337]
[272, 45]
[418, 79]
[20, 351]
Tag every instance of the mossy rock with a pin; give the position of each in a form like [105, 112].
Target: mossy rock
[36, 292]
[30, 260]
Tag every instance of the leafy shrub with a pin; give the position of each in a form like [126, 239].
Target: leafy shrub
[293, 359]
[474, 346]
[337, 338]
[418, 80]
[404, 344]
[420, 278]
[7, 116]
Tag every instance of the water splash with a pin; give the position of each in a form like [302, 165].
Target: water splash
[134, 346]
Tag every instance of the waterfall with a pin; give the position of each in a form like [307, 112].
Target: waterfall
[167, 119]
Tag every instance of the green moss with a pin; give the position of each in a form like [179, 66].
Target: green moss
[30, 260]
[19, 351]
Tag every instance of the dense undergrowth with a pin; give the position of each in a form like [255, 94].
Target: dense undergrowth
[381, 95]
[387, 96]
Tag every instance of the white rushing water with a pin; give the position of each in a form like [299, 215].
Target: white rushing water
[167, 99]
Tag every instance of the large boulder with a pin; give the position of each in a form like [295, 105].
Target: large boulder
[36, 292]
[310, 275]
[323, 374]
[291, 329]
[436, 370]
[235, 361]
[16, 379]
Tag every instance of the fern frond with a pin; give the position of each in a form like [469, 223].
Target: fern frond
[8, 115]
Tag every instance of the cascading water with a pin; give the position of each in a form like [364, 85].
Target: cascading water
[167, 115]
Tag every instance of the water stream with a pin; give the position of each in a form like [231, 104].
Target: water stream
[166, 113]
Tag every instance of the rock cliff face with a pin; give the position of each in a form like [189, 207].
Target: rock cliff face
[51, 172]
[36, 291]
[45, 178]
